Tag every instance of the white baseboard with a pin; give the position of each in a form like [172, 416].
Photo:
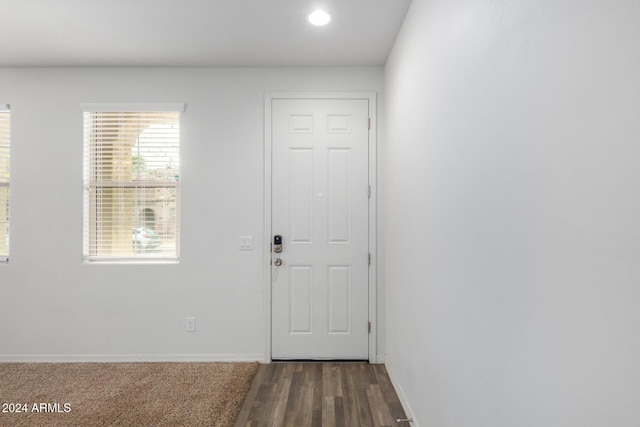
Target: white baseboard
[109, 358]
[403, 398]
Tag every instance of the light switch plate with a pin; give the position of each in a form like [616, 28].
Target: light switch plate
[246, 243]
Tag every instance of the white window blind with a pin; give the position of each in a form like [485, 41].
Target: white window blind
[4, 182]
[132, 183]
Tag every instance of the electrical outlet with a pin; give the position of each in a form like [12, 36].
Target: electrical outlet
[191, 324]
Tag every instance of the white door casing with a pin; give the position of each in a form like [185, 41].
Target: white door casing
[320, 205]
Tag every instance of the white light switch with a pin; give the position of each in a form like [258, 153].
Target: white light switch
[246, 243]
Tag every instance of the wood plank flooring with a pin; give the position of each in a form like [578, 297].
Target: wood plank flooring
[320, 394]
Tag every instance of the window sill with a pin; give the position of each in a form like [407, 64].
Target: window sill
[137, 261]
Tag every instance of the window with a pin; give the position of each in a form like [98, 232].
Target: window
[4, 182]
[132, 182]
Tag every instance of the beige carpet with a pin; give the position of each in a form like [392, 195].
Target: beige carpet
[123, 394]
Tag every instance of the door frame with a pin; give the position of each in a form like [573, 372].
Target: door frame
[268, 233]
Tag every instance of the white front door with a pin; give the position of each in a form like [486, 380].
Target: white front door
[320, 202]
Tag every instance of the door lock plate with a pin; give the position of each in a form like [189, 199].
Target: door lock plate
[277, 243]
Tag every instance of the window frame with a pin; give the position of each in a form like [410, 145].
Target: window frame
[90, 221]
[5, 182]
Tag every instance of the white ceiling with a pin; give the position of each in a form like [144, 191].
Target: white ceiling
[218, 33]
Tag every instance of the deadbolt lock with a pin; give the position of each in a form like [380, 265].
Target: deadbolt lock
[277, 243]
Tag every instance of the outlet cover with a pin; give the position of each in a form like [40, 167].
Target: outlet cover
[191, 324]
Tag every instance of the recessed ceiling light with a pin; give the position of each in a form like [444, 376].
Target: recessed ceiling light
[319, 18]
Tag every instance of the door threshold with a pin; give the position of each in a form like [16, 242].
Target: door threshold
[319, 360]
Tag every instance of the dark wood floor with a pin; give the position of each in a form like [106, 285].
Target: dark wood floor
[322, 395]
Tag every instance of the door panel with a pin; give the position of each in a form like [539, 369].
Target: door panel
[301, 299]
[339, 169]
[340, 299]
[300, 195]
[319, 204]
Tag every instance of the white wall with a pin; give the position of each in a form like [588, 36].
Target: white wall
[53, 307]
[512, 212]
